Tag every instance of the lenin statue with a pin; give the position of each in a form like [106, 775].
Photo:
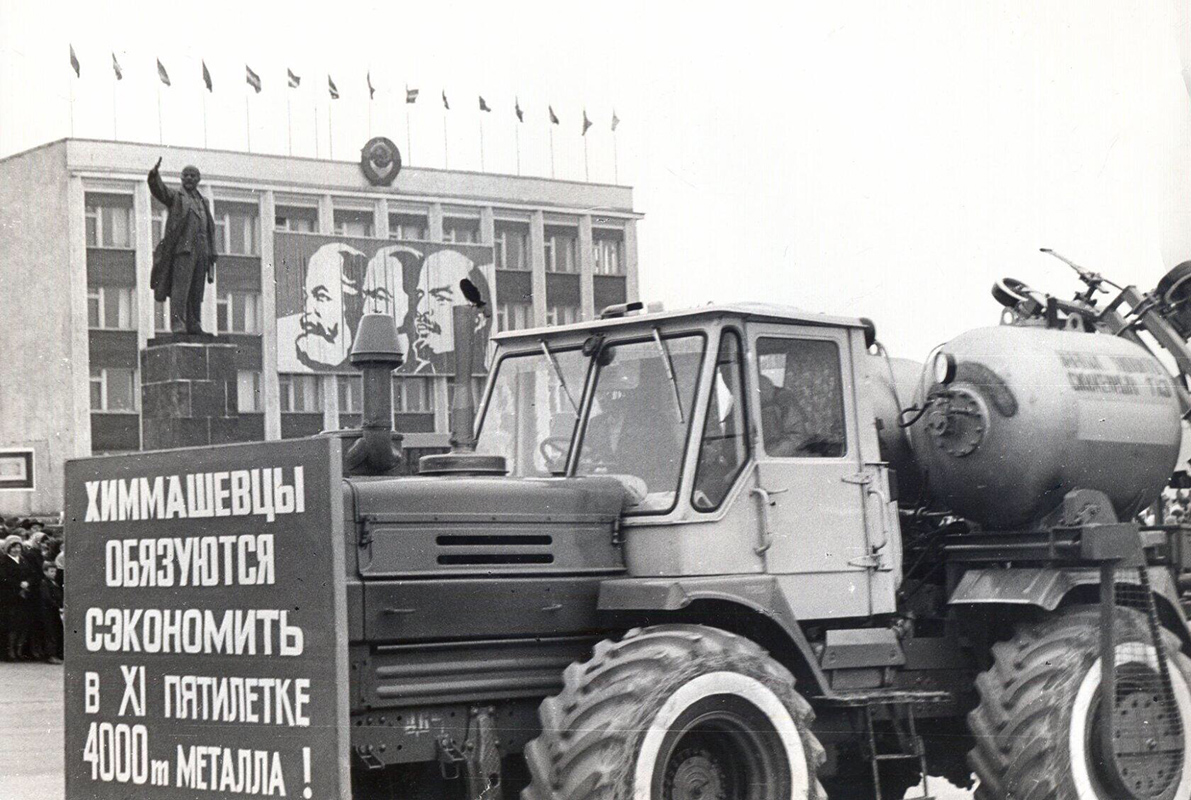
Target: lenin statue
[186, 254]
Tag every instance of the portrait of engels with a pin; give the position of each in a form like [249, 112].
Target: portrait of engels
[418, 289]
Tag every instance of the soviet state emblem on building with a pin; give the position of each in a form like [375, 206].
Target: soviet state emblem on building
[380, 161]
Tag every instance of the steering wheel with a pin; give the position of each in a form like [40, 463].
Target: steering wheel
[553, 450]
[1010, 291]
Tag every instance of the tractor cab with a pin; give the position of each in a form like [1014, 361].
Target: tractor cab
[743, 436]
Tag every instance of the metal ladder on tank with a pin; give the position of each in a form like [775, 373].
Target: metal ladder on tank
[899, 712]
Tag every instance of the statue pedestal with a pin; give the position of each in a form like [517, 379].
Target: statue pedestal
[188, 392]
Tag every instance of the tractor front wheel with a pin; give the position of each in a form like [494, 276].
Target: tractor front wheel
[1039, 723]
[675, 712]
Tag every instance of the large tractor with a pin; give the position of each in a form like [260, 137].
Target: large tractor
[739, 553]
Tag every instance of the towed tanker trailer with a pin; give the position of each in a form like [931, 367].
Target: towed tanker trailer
[735, 552]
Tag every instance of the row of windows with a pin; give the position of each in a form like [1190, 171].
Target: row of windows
[110, 223]
[114, 308]
[117, 389]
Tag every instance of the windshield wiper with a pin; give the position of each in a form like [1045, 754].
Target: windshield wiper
[558, 374]
[657, 337]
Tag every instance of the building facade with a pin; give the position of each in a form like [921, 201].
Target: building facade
[77, 233]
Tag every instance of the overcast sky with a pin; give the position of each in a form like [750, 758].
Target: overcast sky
[880, 159]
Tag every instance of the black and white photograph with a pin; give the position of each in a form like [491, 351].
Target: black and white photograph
[537, 400]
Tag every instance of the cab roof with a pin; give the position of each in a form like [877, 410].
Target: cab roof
[768, 312]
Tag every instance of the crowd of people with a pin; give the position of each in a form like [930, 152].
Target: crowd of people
[31, 579]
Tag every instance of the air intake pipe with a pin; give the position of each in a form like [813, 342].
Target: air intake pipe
[376, 353]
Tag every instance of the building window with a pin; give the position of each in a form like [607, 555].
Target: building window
[111, 308]
[351, 394]
[514, 316]
[460, 231]
[238, 312]
[608, 252]
[560, 250]
[299, 219]
[412, 394]
[248, 392]
[161, 316]
[299, 393]
[562, 315]
[236, 230]
[349, 222]
[157, 215]
[511, 246]
[113, 389]
[408, 226]
[109, 221]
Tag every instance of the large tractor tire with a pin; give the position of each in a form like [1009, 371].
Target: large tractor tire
[675, 712]
[1037, 726]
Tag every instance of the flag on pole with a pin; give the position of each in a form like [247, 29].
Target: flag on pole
[411, 95]
[162, 74]
[294, 80]
[553, 116]
[253, 79]
[483, 105]
[615, 120]
[445, 104]
[116, 68]
[332, 88]
[586, 122]
[207, 77]
[74, 63]
[371, 89]
[518, 111]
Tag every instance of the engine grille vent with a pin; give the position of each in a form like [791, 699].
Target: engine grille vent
[493, 550]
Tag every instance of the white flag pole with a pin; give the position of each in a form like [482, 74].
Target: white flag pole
[248, 122]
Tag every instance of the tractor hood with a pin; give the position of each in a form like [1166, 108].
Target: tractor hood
[464, 525]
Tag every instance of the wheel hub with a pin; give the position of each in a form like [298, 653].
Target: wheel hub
[1147, 745]
[695, 775]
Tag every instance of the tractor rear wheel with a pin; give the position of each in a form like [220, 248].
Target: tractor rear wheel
[1038, 723]
[675, 712]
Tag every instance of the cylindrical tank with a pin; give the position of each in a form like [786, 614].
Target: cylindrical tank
[1033, 413]
[895, 383]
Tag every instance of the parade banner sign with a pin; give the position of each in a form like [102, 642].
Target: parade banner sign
[206, 624]
[326, 283]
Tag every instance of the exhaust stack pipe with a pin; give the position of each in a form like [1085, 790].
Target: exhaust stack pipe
[376, 353]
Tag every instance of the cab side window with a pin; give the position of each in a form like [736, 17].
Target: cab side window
[724, 449]
[802, 399]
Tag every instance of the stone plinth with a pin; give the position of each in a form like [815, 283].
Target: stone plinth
[188, 392]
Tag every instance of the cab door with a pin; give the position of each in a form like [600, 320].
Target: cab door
[812, 484]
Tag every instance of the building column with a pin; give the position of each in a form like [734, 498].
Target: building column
[79, 443]
[270, 389]
[631, 289]
[210, 313]
[434, 219]
[587, 309]
[380, 218]
[142, 212]
[537, 266]
[328, 384]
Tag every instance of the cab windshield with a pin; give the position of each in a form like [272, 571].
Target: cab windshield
[637, 420]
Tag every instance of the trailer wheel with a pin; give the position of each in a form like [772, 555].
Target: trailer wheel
[1037, 724]
[675, 712]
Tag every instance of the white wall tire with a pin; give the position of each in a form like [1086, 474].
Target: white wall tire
[1033, 726]
[675, 712]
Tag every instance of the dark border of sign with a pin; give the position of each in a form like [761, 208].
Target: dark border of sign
[25, 484]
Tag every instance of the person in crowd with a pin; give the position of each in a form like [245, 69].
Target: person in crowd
[60, 562]
[31, 598]
[12, 585]
[51, 613]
